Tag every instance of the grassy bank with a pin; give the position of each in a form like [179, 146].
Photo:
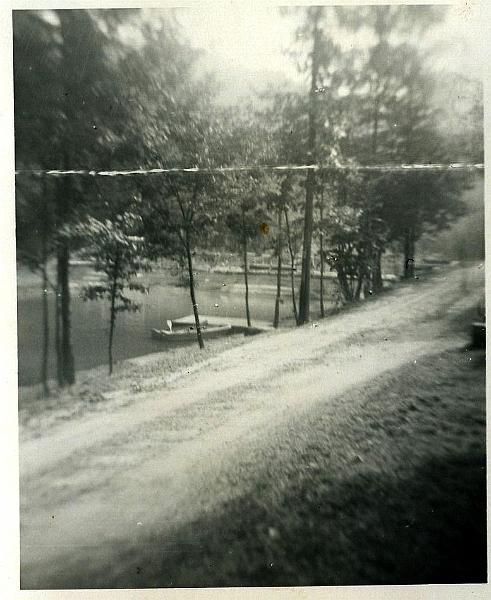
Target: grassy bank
[95, 388]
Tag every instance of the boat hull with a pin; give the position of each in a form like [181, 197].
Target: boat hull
[189, 335]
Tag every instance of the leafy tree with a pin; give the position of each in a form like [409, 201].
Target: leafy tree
[285, 118]
[84, 79]
[419, 202]
[174, 126]
[194, 215]
[345, 253]
[244, 217]
[381, 72]
[415, 202]
[35, 216]
[243, 225]
[116, 253]
[395, 121]
[321, 208]
[293, 230]
[277, 202]
[197, 209]
[329, 178]
[245, 141]
[158, 73]
[348, 243]
[102, 100]
[35, 54]
[312, 27]
[328, 72]
[70, 58]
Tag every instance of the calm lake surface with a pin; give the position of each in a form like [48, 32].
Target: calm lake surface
[217, 294]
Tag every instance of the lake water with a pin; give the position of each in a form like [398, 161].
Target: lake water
[217, 294]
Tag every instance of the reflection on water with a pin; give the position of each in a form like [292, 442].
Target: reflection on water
[217, 294]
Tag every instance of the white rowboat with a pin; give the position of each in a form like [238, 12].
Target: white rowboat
[189, 334]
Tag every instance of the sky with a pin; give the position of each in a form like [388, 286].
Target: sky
[251, 39]
[242, 41]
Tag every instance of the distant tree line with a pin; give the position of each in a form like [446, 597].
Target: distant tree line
[114, 89]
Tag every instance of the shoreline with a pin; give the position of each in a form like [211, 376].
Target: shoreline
[165, 356]
[88, 377]
[189, 357]
[94, 388]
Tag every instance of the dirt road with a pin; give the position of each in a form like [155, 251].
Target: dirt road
[106, 497]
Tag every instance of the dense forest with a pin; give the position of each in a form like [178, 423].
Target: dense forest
[98, 91]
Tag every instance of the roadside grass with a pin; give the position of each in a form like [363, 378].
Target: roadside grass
[95, 388]
[383, 485]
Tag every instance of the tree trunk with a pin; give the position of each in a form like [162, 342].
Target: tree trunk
[304, 308]
[279, 248]
[45, 306]
[376, 262]
[68, 367]
[191, 289]
[112, 321]
[246, 276]
[68, 29]
[378, 284]
[59, 361]
[112, 317]
[359, 284]
[292, 265]
[409, 253]
[58, 325]
[45, 353]
[321, 249]
[65, 368]
[344, 285]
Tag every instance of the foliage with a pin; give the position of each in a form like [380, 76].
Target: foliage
[66, 80]
[349, 241]
[393, 119]
[117, 253]
[117, 89]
